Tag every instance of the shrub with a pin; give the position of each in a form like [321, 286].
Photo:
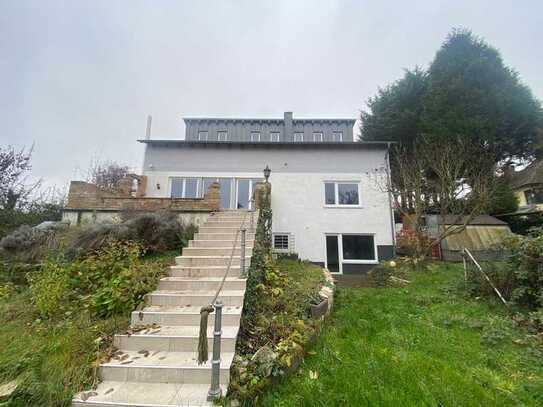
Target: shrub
[520, 277]
[51, 289]
[29, 244]
[413, 244]
[157, 232]
[111, 281]
[380, 275]
[275, 332]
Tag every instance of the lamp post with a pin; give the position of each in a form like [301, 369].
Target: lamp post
[267, 173]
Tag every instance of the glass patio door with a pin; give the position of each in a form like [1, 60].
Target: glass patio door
[333, 261]
[244, 188]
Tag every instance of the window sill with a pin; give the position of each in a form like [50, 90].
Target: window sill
[343, 206]
[360, 261]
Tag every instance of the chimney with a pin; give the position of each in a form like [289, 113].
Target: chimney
[508, 171]
[148, 131]
[288, 126]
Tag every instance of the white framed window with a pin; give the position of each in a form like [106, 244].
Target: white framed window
[318, 136]
[255, 136]
[274, 136]
[337, 136]
[203, 135]
[185, 187]
[280, 241]
[222, 135]
[283, 242]
[298, 137]
[342, 193]
[349, 248]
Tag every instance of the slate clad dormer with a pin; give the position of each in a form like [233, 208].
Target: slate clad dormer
[285, 130]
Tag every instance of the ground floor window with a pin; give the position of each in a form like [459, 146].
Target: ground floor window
[283, 242]
[185, 187]
[349, 249]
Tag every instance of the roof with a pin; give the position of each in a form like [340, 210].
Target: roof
[272, 120]
[348, 145]
[480, 238]
[480, 220]
[532, 174]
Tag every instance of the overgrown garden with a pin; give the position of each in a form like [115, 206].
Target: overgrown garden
[65, 292]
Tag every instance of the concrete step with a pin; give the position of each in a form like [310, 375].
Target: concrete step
[183, 316]
[200, 272]
[202, 261]
[219, 243]
[128, 394]
[164, 367]
[188, 297]
[200, 284]
[215, 251]
[229, 235]
[175, 339]
[232, 214]
[226, 223]
[219, 229]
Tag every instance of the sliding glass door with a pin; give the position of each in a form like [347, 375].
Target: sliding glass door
[244, 192]
[236, 193]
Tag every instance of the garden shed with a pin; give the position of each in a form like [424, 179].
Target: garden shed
[481, 236]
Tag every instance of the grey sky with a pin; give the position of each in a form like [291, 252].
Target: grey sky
[79, 77]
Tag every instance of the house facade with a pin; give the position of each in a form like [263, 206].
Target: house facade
[329, 199]
[528, 187]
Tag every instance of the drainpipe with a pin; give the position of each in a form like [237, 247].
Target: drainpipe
[389, 187]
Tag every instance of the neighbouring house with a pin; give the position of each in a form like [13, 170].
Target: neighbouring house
[328, 200]
[528, 187]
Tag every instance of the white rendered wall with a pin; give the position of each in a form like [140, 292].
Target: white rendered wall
[298, 208]
[297, 187]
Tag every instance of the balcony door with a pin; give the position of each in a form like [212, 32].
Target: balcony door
[244, 192]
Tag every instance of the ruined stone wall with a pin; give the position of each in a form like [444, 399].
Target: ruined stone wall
[89, 203]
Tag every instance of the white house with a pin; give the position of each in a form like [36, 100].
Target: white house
[328, 197]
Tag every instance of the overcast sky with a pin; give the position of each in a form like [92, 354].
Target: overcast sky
[78, 78]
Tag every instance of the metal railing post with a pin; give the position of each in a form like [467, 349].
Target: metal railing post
[215, 389]
[242, 254]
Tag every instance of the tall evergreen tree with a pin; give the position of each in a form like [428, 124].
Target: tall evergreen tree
[394, 113]
[467, 93]
[472, 95]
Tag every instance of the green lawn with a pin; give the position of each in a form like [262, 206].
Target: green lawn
[424, 344]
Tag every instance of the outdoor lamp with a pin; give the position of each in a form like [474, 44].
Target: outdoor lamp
[267, 173]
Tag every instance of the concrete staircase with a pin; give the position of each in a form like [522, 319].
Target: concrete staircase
[156, 363]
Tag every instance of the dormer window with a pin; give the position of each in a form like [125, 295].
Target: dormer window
[203, 135]
[255, 136]
[318, 136]
[222, 135]
[274, 136]
[337, 136]
[298, 137]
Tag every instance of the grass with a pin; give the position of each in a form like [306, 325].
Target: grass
[424, 344]
[53, 359]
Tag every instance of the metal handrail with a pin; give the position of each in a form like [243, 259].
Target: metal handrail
[467, 254]
[215, 389]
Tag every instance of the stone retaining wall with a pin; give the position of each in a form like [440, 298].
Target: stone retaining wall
[87, 203]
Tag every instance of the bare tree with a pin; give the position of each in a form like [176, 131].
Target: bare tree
[106, 174]
[452, 180]
[15, 187]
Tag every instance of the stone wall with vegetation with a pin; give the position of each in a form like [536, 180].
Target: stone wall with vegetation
[278, 320]
[88, 202]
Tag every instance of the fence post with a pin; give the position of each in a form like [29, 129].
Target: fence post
[243, 274]
[215, 389]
